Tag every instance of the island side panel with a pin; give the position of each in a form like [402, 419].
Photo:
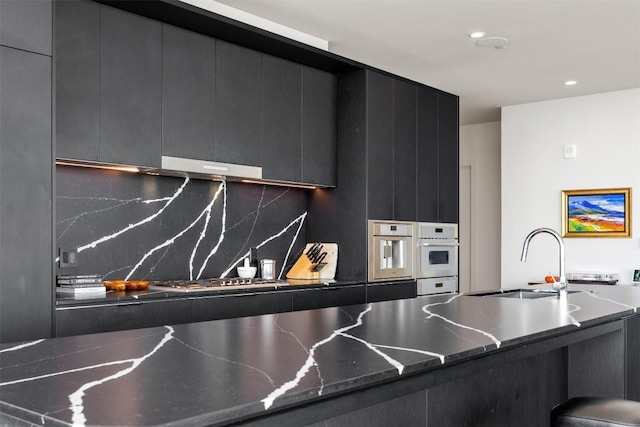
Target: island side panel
[632, 361]
[596, 366]
[517, 393]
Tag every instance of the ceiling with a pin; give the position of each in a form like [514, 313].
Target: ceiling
[595, 42]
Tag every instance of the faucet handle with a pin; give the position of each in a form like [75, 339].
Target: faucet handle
[558, 285]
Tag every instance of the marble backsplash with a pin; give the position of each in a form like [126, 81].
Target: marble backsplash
[143, 227]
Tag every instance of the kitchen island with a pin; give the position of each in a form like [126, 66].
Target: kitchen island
[438, 360]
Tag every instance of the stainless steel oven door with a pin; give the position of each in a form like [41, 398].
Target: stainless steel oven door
[436, 258]
[390, 257]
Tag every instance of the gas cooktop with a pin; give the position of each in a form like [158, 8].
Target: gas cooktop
[214, 284]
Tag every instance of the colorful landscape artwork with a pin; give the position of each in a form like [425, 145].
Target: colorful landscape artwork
[602, 212]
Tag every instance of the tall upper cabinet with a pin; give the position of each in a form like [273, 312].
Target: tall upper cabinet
[397, 160]
[26, 168]
[437, 156]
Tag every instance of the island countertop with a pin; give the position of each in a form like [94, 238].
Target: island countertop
[232, 370]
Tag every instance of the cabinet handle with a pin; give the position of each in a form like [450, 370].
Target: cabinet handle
[332, 288]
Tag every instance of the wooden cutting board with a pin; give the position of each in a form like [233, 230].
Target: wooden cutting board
[304, 268]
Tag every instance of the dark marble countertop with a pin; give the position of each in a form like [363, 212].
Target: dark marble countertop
[123, 297]
[215, 372]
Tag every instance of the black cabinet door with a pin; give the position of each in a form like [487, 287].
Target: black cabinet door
[26, 275]
[379, 146]
[332, 296]
[119, 317]
[319, 127]
[404, 151]
[230, 306]
[130, 92]
[188, 94]
[77, 62]
[448, 167]
[282, 119]
[427, 146]
[386, 291]
[26, 25]
[239, 105]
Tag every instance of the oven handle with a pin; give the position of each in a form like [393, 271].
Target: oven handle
[439, 244]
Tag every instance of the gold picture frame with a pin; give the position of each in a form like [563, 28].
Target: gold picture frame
[596, 213]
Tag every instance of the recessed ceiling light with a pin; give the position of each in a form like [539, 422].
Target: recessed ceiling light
[477, 35]
[570, 82]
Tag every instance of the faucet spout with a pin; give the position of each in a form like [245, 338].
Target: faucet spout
[561, 284]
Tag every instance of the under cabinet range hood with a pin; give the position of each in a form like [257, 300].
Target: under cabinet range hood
[178, 166]
[203, 169]
[193, 168]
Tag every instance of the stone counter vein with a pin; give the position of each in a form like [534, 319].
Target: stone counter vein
[76, 398]
[21, 346]
[132, 226]
[310, 361]
[432, 314]
[593, 295]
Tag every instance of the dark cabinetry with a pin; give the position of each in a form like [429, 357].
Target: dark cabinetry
[108, 74]
[632, 357]
[115, 317]
[239, 105]
[319, 127]
[130, 113]
[438, 170]
[391, 166]
[188, 94]
[26, 25]
[25, 197]
[77, 62]
[386, 291]
[448, 168]
[397, 159]
[328, 297]
[404, 151]
[130, 89]
[282, 119]
[240, 305]
[118, 317]
[378, 101]
[412, 147]
[299, 123]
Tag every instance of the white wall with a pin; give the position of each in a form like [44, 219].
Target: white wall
[606, 130]
[480, 155]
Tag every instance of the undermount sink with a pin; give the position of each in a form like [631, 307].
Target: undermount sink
[519, 293]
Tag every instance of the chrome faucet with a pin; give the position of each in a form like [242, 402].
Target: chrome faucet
[561, 284]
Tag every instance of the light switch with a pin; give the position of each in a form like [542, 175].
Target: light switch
[570, 151]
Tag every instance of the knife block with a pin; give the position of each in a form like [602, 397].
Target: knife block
[303, 267]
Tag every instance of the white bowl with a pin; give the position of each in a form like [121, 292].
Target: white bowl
[247, 272]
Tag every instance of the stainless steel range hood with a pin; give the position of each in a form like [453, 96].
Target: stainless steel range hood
[203, 169]
[193, 168]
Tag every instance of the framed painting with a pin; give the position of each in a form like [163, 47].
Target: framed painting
[596, 213]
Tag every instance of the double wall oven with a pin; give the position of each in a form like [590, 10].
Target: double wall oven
[425, 251]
